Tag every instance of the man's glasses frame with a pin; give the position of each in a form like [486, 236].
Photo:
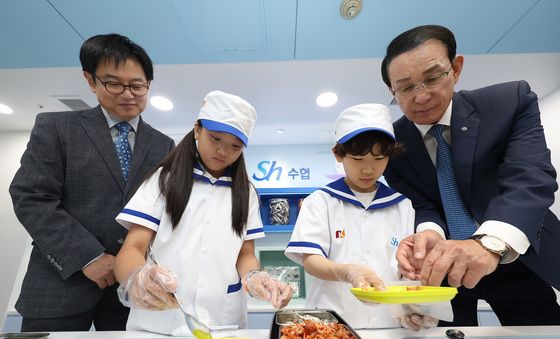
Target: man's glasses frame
[114, 87]
[431, 82]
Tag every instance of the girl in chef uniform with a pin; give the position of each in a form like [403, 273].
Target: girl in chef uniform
[347, 233]
[198, 215]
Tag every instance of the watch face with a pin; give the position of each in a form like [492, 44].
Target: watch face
[493, 243]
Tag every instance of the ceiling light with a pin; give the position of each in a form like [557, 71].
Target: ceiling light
[161, 103]
[5, 109]
[279, 131]
[326, 99]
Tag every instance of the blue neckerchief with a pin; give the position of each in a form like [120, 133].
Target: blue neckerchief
[384, 197]
[199, 173]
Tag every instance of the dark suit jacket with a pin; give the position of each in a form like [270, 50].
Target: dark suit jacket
[502, 166]
[67, 193]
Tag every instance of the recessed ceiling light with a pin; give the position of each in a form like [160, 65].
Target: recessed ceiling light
[326, 99]
[161, 103]
[279, 131]
[5, 109]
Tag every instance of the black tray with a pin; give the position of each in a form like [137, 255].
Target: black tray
[275, 328]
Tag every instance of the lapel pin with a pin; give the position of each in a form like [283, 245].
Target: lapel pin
[464, 129]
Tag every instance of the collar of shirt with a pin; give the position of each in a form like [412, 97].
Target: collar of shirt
[384, 196]
[112, 120]
[200, 173]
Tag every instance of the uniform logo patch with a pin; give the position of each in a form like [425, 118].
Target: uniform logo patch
[339, 234]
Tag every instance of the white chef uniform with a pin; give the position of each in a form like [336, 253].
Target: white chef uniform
[202, 250]
[335, 224]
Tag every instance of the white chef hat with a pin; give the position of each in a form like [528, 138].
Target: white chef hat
[224, 112]
[363, 118]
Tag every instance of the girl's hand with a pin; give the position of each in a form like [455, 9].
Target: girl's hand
[263, 286]
[150, 287]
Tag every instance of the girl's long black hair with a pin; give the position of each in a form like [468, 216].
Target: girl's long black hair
[176, 182]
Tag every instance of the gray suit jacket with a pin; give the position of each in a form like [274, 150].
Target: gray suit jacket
[67, 193]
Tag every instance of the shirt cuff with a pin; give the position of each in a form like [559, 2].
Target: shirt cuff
[430, 226]
[511, 235]
[92, 260]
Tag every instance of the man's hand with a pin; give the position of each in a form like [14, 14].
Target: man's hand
[464, 262]
[412, 251]
[101, 271]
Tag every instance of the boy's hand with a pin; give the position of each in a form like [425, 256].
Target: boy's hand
[358, 276]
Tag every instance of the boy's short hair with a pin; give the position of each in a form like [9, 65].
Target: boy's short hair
[363, 144]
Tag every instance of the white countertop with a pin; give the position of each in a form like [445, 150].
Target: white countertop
[437, 332]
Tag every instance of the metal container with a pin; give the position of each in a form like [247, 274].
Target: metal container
[291, 317]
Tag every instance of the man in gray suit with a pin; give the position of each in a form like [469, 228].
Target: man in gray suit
[78, 172]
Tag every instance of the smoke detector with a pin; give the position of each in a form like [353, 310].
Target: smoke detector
[349, 9]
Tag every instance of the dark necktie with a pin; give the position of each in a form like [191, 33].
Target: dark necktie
[460, 222]
[123, 147]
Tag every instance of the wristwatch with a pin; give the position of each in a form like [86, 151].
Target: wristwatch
[492, 244]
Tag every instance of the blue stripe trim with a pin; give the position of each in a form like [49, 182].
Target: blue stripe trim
[307, 244]
[388, 203]
[221, 127]
[141, 215]
[346, 194]
[234, 288]
[384, 191]
[207, 180]
[255, 230]
[343, 198]
[362, 130]
[341, 186]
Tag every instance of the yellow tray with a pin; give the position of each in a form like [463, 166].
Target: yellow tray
[405, 294]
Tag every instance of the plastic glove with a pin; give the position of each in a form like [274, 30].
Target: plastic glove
[149, 287]
[414, 318]
[262, 285]
[359, 276]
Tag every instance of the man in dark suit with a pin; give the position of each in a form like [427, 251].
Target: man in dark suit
[77, 173]
[484, 226]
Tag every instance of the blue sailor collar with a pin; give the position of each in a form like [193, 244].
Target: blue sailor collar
[199, 173]
[384, 197]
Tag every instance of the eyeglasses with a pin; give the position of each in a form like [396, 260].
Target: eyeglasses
[114, 87]
[430, 82]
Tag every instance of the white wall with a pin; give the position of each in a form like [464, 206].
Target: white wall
[550, 117]
[14, 237]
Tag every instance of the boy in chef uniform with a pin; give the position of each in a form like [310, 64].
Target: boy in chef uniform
[347, 233]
